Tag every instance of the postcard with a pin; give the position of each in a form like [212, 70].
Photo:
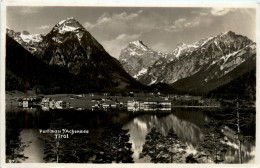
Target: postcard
[90, 84]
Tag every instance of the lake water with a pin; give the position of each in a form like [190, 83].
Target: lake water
[187, 123]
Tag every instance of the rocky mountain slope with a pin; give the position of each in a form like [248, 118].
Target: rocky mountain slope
[136, 58]
[70, 46]
[224, 51]
[25, 71]
[31, 42]
[243, 87]
[197, 83]
[199, 67]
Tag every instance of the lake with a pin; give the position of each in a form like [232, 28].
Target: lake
[187, 123]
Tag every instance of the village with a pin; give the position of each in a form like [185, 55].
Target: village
[105, 101]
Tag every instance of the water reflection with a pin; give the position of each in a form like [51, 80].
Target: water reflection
[247, 148]
[30, 137]
[14, 145]
[187, 124]
[137, 106]
[189, 133]
[188, 127]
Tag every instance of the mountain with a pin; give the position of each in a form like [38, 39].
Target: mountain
[236, 55]
[221, 51]
[202, 66]
[197, 83]
[25, 71]
[199, 68]
[136, 58]
[243, 87]
[142, 63]
[31, 42]
[71, 47]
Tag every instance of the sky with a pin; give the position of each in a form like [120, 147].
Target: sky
[159, 28]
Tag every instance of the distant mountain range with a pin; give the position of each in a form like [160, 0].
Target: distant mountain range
[70, 47]
[69, 59]
[197, 68]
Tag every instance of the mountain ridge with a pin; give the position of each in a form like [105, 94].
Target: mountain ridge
[137, 57]
[210, 58]
[70, 46]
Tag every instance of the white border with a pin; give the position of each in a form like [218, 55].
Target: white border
[2, 86]
[110, 3]
[104, 3]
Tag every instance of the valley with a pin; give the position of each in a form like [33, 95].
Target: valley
[196, 102]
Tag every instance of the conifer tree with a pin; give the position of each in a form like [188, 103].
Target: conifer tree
[76, 149]
[213, 144]
[237, 119]
[160, 149]
[114, 146]
[174, 147]
[14, 145]
[153, 146]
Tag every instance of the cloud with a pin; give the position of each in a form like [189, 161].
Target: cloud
[114, 31]
[29, 10]
[88, 25]
[201, 17]
[220, 11]
[112, 20]
[115, 24]
[212, 11]
[201, 13]
[114, 46]
[121, 36]
[43, 27]
[183, 23]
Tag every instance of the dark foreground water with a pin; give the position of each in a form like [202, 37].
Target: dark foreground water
[26, 144]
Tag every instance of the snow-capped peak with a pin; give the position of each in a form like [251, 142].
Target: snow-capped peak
[181, 44]
[61, 22]
[68, 19]
[27, 37]
[69, 25]
[139, 44]
[227, 33]
[182, 48]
